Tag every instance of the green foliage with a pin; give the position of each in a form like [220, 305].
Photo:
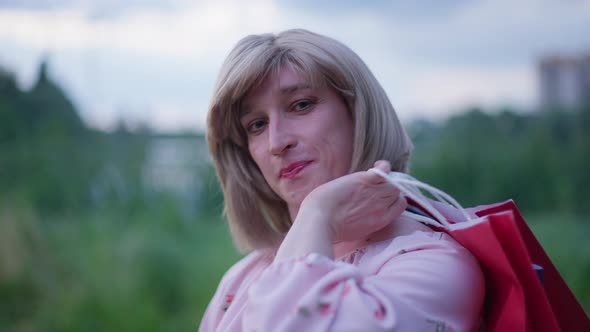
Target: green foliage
[44, 111]
[567, 249]
[540, 159]
[211, 203]
[85, 246]
[99, 272]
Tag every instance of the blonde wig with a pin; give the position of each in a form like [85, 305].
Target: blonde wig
[258, 218]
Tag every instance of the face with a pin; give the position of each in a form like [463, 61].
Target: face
[299, 137]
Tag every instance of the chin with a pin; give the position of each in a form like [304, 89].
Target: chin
[295, 197]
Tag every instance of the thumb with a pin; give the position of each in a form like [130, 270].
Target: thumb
[380, 168]
[383, 165]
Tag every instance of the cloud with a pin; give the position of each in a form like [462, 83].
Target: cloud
[191, 33]
[483, 32]
[141, 60]
[128, 56]
[457, 89]
[102, 9]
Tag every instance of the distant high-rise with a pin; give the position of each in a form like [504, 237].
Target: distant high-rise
[564, 81]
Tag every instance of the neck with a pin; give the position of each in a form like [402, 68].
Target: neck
[293, 210]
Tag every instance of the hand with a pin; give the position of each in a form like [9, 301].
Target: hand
[354, 205]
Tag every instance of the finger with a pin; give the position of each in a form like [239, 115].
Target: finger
[383, 165]
[389, 192]
[397, 207]
[373, 177]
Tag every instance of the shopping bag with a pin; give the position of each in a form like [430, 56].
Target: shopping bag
[524, 290]
[520, 297]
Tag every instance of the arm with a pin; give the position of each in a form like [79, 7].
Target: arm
[420, 283]
[415, 283]
[346, 209]
[434, 286]
[232, 287]
[310, 233]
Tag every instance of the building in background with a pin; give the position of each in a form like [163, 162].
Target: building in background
[175, 165]
[564, 81]
[172, 164]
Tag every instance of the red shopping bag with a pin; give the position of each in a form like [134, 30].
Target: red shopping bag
[518, 298]
[524, 290]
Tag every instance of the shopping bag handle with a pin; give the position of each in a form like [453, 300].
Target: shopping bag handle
[412, 188]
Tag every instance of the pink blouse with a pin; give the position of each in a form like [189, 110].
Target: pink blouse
[419, 281]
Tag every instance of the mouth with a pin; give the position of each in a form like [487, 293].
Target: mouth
[293, 169]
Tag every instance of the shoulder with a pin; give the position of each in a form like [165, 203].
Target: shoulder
[441, 279]
[425, 249]
[432, 262]
[408, 242]
[246, 268]
[252, 261]
[234, 284]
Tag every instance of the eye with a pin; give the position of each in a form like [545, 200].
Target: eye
[302, 105]
[255, 127]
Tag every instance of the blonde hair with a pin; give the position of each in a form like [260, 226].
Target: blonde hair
[258, 218]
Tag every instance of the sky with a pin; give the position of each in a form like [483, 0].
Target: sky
[155, 62]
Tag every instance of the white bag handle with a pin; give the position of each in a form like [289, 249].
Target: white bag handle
[412, 188]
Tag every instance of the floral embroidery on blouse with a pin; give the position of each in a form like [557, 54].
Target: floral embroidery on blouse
[439, 325]
[325, 308]
[346, 289]
[379, 313]
[313, 291]
[303, 311]
[228, 300]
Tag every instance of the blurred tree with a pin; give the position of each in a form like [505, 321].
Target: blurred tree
[538, 159]
[48, 110]
[43, 111]
[44, 154]
[10, 96]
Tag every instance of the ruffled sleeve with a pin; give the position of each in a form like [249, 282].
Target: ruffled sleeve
[224, 309]
[423, 281]
[414, 283]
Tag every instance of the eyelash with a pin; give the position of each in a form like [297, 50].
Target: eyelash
[310, 102]
[249, 129]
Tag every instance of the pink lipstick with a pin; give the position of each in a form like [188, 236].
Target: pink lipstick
[293, 169]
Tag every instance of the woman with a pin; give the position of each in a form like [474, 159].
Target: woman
[295, 122]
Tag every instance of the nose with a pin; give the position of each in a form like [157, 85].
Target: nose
[281, 136]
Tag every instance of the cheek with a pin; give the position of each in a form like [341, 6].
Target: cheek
[336, 152]
[341, 142]
[255, 153]
[342, 153]
[259, 157]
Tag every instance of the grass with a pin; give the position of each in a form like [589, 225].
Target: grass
[152, 273]
[107, 274]
[565, 239]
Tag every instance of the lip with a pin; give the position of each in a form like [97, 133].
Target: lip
[293, 169]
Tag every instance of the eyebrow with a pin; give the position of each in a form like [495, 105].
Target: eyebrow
[285, 91]
[291, 89]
